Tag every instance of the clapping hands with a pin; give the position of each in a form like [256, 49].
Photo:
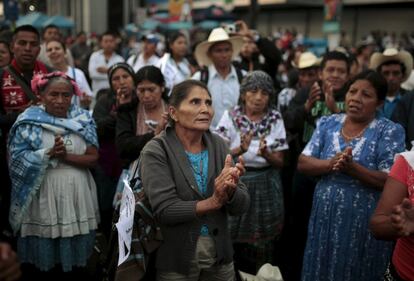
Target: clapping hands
[245, 140]
[314, 95]
[263, 151]
[342, 161]
[402, 218]
[329, 97]
[226, 183]
[58, 150]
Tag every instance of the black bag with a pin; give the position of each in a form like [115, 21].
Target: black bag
[204, 74]
[146, 237]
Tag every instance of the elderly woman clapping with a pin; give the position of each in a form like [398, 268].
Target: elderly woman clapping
[192, 187]
[54, 206]
[255, 130]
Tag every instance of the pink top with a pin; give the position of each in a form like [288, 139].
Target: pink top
[403, 256]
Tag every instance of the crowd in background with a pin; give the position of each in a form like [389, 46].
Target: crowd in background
[312, 139]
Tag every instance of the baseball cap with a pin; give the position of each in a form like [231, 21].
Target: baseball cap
[151, 38]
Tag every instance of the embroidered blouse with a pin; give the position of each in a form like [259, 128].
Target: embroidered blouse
[234, 123]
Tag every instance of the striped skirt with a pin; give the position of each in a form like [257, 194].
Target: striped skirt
[264, 219]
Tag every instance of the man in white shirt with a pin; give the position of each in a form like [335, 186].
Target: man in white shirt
[101, 60]
[148, 55]
[222, 78]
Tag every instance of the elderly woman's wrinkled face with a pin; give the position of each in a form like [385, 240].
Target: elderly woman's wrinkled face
[122, 82]
[256, 101]
[195, 112]
[57, 98]
[361, 101]
[149, 94]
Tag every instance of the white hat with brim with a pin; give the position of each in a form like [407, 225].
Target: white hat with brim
[217, 35]
[267, 272]
[306, 60]
[393, 54]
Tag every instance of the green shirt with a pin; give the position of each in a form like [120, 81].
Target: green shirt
[318, 110]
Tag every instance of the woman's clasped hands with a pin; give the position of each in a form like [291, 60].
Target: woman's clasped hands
[58, 150]
[342, 161]
[226, 183]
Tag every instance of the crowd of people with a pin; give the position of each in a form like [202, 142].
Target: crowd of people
[252, 151]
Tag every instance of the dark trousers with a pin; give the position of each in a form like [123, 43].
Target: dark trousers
[30, 273]
[294, 237]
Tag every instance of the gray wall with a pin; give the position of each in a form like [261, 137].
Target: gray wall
[357, 21]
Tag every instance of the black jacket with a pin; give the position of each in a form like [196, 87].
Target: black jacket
[404, 115]
[272, 56]
[128, 144]
[105, 121]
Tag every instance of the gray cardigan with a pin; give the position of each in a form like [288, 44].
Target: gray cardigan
[172, 190]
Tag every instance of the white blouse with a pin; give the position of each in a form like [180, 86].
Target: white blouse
[234, 123]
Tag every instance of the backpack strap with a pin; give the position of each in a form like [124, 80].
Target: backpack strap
[25, 87]
[204, 75]
[239, 73]
[135, 60]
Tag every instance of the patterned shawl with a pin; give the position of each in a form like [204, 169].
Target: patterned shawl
[28, 160]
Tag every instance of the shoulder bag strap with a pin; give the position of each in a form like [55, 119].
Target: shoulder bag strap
[135, 167]
[204, 75]
[22, 84]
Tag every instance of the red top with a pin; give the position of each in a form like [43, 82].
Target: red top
[403, 256]
[13, 98]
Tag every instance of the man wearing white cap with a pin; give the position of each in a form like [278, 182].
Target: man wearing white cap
[404, 110]
[222, 78]
[395, 66]
[308, 71]
[148, 55]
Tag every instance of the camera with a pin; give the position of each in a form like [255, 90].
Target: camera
[231, 28]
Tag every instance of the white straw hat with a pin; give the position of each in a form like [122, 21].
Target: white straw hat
[267, 272]
[307, 59]
[217, 35]
[393, 54]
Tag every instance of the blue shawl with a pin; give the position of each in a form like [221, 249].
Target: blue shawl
[28, 160]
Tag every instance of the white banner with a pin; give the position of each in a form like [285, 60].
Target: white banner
[125, 223]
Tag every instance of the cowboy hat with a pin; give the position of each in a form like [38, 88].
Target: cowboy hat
[267, 272]
[307, 59]
[392, 54]
[217, 35]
